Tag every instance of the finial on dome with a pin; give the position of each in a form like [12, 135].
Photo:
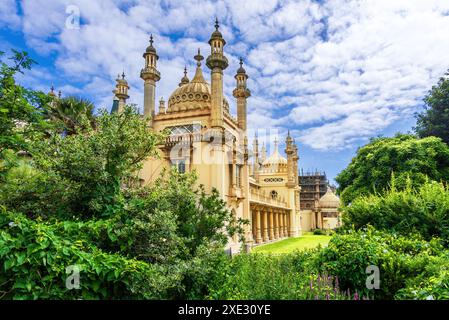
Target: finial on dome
[123, 74]
[216, 23]
[151, 39]
[241, 62]
[198, 58]
[276, 144]
[184, 79]
[52, 91]
[59, 94]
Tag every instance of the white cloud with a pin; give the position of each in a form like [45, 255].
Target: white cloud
[9, 16]
[337, 73]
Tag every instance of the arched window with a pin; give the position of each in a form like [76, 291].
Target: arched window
[181, 167]
[274, 194]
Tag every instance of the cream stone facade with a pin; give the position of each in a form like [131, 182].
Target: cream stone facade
[205, 137]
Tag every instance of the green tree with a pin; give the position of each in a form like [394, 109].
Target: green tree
[21, 109]
[403, 156]
[70, 114]
[434, 120]
[95, 164]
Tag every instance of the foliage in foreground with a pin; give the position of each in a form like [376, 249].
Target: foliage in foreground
[77, 201]
[423, 210]
[399, 259]
[403, 156]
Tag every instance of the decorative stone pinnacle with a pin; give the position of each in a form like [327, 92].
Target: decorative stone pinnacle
[216, 23]
[151, 39]
[198, 58]
[241, 61]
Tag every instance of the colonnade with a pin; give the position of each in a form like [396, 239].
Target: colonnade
[269, 223]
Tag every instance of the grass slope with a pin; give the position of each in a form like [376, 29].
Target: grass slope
[306, 241]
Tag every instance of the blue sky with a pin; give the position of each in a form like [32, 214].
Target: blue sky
[334, 73]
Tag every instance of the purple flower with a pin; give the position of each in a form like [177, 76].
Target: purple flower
[356, 296]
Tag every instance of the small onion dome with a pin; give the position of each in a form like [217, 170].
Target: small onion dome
[241, 70]
[150, 48]
[122, 80]
[217, 34]
[52, 91]
[184, 79]
[275, 158]
[329, 200]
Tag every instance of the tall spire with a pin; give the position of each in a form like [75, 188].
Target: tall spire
[150, 75]
[241, 93]
[217, 63]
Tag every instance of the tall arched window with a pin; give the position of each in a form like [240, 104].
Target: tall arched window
[181, 167]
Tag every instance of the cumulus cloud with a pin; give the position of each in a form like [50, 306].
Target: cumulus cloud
[334, 72]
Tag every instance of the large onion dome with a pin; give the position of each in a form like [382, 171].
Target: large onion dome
[329, 200]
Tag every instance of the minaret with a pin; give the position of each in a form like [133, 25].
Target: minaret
[185, 79]
[121, 91]
[290, 152]
[263, 155]
[161, 106]
[256, 157]
[217, 62]
[241, 93]
[150, 76]
[295, 162]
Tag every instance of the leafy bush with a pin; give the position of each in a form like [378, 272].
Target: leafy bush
[424, 210]
[35, 256]
[259, 276]
[431, 284]
[398, 258]
[319, 232]
[405, 156]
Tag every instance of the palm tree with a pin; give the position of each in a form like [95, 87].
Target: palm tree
[72, 113]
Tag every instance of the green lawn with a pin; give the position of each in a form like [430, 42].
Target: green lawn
[306, 241]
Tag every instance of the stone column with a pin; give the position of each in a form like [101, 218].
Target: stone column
[253, 222]
[270, 223]
[276, 223]
[258, 227]
[281, 223]
[286, 224]
[265, 225]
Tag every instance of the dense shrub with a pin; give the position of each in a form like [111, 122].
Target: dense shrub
[35, 256]
[259, 276]
[405, 156]
[424, 210]
[432, 284]
[398, 258]
[319, 232]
